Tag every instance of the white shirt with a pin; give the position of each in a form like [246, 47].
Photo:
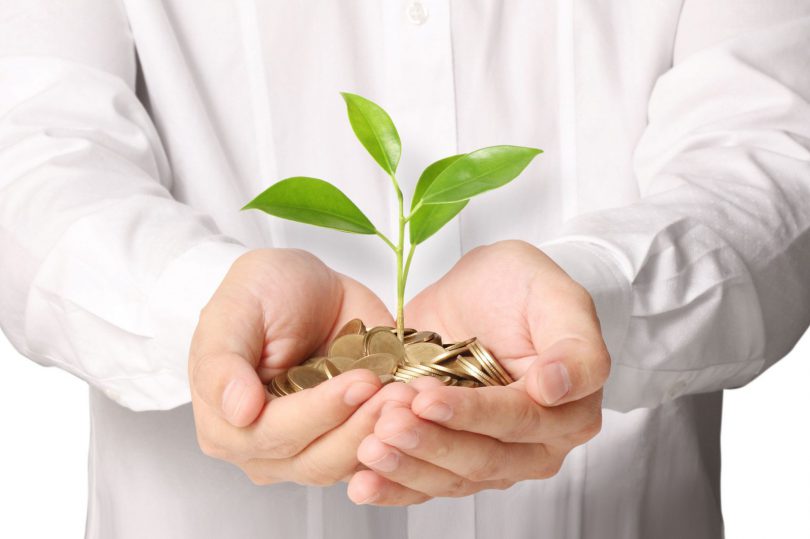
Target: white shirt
[675, 186]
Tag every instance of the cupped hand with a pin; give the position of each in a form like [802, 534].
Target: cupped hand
[274, 308]
[453, 441]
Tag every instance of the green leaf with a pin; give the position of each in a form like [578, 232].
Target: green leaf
[312, 201]
[375, 130]
[431, 218]
[478, 172]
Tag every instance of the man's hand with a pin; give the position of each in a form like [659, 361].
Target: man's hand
[274, 308]
[454, 441]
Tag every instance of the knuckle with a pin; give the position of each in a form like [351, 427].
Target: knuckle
[593, 427]
[210, 449]
[579, 295]
[503, 484]
[441, 450]
[486, 469]
[547, 469]
[311, 471]
[420, 499]
[459, 487]
[257, 479]
[588, 431]
[271, 445]
[258, 474]
[524, 424]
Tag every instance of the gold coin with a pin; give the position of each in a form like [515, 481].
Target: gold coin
[448, 355]
[425, 370]
[491, 362]
[313, 361]
[442, 370]
[413, 371]
[329, 368]
[304, 377]
[475, 372]
[460, 344]
[343, 363]
[272, 389]
[383, 342]
[379, 349]
[422, 353]
[481, 363]
[279, 385]
[405, 331]
[379, 364]
[406, 378]
[423, 336]
[352, 327]
[348, 346]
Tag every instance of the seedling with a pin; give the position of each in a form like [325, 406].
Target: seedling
[443, 190]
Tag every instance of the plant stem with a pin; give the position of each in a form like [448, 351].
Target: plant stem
[407, 266]
[400, 274]
[386, 240]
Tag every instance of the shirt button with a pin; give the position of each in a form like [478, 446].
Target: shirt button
[417, 12]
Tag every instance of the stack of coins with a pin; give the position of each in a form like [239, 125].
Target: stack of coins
[421, 353]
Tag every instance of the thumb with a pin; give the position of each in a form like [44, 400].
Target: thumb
[568, 370]
[229, 384]
[225, 351]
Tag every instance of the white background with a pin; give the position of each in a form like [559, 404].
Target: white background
[43, 451]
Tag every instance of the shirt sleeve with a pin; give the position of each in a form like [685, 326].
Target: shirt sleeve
[102, 272]
[705, 282]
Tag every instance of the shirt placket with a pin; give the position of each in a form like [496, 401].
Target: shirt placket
[420, 96]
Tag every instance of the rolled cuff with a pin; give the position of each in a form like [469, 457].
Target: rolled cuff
[180, 293]
[597, 270]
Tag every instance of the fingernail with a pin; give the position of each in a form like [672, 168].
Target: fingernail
[437, 412]
[553, 382]
[388, 463]
[358, 393]
[232, 398]
[404, 440]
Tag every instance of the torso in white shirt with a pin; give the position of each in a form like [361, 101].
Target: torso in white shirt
[454, 76]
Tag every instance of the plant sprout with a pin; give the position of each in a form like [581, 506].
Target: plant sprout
[443, 189]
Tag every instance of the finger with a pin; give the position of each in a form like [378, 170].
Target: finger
[423, 383]
[290, 423]
[333, 456]
[506, 413]
[416, 474]
[472, 456]
[368, 487]
[568, 370]
[225, 350]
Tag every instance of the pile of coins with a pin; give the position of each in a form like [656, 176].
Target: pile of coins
[420, 353]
